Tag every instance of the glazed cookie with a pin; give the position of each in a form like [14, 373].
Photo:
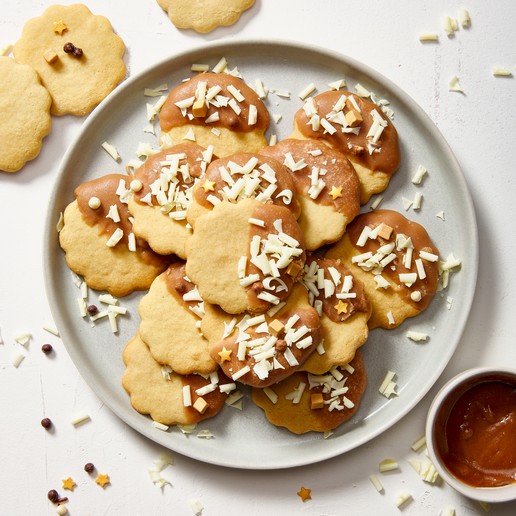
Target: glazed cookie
[359, 129]
[215, 109]
[164, 191]
[304, 402]
[245, 256]
[340, 301]
[240, 176]
[76, 54]
[263, 350]
[204, 15]
[99, 243]
[170, 398]
[397, 262]
[25, 108]
[327, 185]
[170, 318]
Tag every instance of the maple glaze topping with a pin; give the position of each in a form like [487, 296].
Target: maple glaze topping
[151, 170]
[173, 116]
[267, 173]
[421, 242]
[477, 438]
[342, 186]
[383, 157]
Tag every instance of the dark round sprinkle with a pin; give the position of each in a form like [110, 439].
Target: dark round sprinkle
[89, 467]
[77, 52]
[53, 496]
[46, 423]
[69, 47]
[92, 310]
[46, 348]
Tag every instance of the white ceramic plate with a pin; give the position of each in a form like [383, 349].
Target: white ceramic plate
[245, 439]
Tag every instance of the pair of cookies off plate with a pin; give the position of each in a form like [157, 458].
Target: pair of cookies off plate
[260, 269]
[46, 78]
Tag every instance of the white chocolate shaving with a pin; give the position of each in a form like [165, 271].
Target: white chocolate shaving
[111, 150]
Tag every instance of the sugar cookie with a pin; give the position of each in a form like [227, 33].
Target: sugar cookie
[327, 185]
[356, 127]
[25, 108]
[98, 240]
[170, 317]
[304, 402]
[216, 109]
[397, 262]
[163, 193]
[76, 82]
[245, 256]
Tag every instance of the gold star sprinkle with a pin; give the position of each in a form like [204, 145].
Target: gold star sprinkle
[342, 308]
[60, 27]
[69, 484]
[305, 494]
[225, 354]
[336, 192]
[209, 186]
[102, 480]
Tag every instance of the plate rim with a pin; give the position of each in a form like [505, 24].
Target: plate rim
[50, 240]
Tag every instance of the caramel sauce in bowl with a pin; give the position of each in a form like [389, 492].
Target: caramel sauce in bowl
[471, 433]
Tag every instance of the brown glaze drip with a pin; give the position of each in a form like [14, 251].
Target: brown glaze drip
[215, 399]
[421, 241]
[284, 181]
[352, 145]
[353, 305]
[151, 169]
[269, 213]
[104, 188]
[339, 173]
[171, 116]
[178, 286]
[308, 317]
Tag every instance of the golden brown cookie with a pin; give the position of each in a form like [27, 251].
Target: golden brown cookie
[359, 129]
[164, 192]
[327, 185]
[169, 398]
[265, 349]
[170, 323]
[215, 109]
[340, 301]
[76, 79]
[241, 176]
[245, 256]
[99, 243]
[204, 15]
[25, 120]
[396, 261]
[304, 402]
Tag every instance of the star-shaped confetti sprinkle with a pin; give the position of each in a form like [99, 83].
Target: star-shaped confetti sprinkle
[60, 27]
[225, 354]
[69, 484]
[336, 192]
[102, 480]
[209, 186]
[305, 494]
[342, 308]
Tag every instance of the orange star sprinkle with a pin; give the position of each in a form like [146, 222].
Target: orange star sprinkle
[305, 494]
[225, 354]
[209, 186]
[69, 484]
[342, 308]
[60, 27]
[336, 192]
[102, 480]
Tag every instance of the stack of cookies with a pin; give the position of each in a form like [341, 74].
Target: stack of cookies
[258, 267]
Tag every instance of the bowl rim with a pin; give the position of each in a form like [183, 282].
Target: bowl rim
[484, 494]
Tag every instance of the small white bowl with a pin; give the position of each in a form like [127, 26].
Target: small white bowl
[437, 415]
